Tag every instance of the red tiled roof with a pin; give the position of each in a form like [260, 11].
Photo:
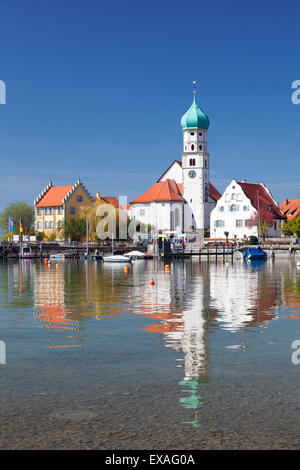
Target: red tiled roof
[108, 199]
[125, 207]
[167, 190]
[262, 200]
[290, 208]
[54, 196]
[111, 200]
[214, 193]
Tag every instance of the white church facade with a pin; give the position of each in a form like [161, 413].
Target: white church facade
[182, 198]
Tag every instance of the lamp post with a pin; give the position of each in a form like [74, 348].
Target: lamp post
[226, 235]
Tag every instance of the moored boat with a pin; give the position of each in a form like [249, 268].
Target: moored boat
[255, 253]
[135, 254]
[116, 259]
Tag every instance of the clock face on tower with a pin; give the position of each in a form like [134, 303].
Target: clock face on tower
[192, 174]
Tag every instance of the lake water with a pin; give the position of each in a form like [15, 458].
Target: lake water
[98, 358]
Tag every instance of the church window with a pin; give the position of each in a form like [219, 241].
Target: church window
[205, 162]
[200, 133]
[206, 194]
[172, 220]
[176, 216]
[192, 146]
[192, 133]
[191, 200]
[192, 161]
[142, 212]
[200, 147]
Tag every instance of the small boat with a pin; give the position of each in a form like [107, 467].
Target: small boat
[116, 259]
[255, 253]
[135, 255]
[57, 256]
[26, 253]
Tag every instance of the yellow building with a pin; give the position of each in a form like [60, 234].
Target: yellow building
[56, 203]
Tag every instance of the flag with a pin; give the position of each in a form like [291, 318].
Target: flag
[21, 226]
[11, 227]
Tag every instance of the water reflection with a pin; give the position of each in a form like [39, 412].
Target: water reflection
[243, 295]
[51, 311]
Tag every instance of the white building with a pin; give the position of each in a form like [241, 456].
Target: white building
[182, 198]
[240, 208]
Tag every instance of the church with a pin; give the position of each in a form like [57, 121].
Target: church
[182, 198]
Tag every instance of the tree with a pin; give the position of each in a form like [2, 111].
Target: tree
[292, 227]
[74, 228]
[262, 222]
[18, 211]
[90, 213]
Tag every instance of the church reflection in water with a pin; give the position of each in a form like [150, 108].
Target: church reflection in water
[185, 306]
[192, 300]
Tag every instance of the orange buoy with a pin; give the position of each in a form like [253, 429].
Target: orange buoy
[46, 260]
[152, 282]
[57, 265]
[167, 267]
[126, 269]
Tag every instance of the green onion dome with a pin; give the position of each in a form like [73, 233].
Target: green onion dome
[194, 118]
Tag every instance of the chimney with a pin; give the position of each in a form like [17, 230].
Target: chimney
[286, 201]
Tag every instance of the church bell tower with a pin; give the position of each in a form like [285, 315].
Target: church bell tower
[195, 167]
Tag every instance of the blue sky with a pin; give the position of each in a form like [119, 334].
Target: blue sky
[97, 90]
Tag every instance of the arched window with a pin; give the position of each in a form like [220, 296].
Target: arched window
[206, 194]
[192, 147]
[176, 217]
[200, 147]
[192, 161]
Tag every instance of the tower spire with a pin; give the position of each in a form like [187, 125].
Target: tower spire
[194, 87]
